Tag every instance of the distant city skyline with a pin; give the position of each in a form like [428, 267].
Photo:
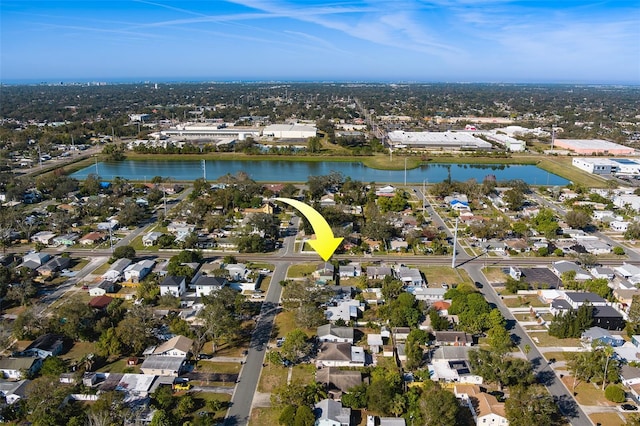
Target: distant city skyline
[492, 41]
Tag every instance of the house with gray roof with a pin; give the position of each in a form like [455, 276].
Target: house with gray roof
[172, 285]
[14, 391]
[332, 413]
[54, 265]
[34, 260]
[49, 344]
[161, 365]
[563, 266]
[600, 337]
[18, 368]
[378, 272]
[116, 270]
[206, 285]
[331, 333]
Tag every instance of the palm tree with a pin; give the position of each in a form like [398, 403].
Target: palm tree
[608, 352]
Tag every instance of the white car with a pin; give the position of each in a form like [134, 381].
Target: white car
[265, 271]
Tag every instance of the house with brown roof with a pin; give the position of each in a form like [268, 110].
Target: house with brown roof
[91, 238]
[337, 381]
[176, 346]
[485, 408]
[100, 302]
[453, 338]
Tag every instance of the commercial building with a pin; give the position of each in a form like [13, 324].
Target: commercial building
[608, 166]
[289, 131]
[593, 146]
[436, 140]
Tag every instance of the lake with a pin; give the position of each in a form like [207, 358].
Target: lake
[299, 171]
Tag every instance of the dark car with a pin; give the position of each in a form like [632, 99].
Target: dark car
[629, 407]
[245, 352]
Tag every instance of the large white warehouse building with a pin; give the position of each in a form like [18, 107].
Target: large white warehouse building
[436, 140]
[289, 131]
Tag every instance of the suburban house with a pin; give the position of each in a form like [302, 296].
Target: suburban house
[350, 270]
[162, 365]
[331, 333]
[91, 238]
[386, 191]
[237, 271]
[176, 346]
[337, 381]
[116, 270]
[14, 391]
[324, 273]
[103, 287]
[379, 272]
[608, 318]
[44, 346]
[19, 368]
[600, 337]
[172, 285]
[577, 299]
[100, 303]
[410, 276]
[205, 285]
[43, 237]
[563, 266]
[34, 260]
[66, 239]
[346, 310]
[151, 239]
[485, 408]
[453, 338]
[332, 413]
[54, 265]
[136, 272]
[340, 355]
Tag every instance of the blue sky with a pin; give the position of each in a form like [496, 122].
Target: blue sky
[413, 40]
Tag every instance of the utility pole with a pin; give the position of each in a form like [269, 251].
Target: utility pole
[455, 243]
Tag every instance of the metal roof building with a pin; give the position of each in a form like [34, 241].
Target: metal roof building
[436, 140]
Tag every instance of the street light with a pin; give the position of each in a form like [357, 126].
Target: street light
[424, 194]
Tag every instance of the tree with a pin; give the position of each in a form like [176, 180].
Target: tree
[531, 405]
[608, 353]
[53, 366]
[615, 393]
[304, 416]
[514, 199]
[161, 418]
[439, 406]
[124, 252]
[438, 323]
[500, 369]
[578, 219]
[296, 346]
[287, 415]
[314, 144]
[413, 348]
[499, 340]
[618, 251]
[186, 404]
[219, 318]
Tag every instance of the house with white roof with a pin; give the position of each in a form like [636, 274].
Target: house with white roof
[346, 310]
[151, 239]
[43, 237]
[136, 272]
[332, 333]
[409, 276]
[116, 270]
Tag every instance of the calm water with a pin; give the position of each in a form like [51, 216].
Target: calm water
[290, 171]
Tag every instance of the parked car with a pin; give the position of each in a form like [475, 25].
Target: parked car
[629, 407]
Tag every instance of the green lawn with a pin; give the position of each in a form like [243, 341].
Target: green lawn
[544, 339]
[285, 322]
[303, 374]
[494, 275]
[201, 399]
[524, 301]
[218, 367]
[79, 264]
[102, 269]
[301, 270]
[610, 419]
[587, 393]
[559, 356]
[79, 350]
[438, 275]
[120, 366]
[261, 416]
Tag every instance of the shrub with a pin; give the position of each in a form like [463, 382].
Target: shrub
[615, 393]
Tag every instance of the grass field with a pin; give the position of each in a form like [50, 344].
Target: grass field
[438, 275]
[301, 270]
[218, 367]
[79, 350]
[120, 366]
[524, 301]
[494, 275]
[272, 377]
[303, 374]
[264, 416]
[587, 393]
[609, 419]
[544, 339]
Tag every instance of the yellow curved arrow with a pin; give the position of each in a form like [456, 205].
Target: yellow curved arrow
[325, 243]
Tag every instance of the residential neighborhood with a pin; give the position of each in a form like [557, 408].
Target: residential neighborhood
[160, 300]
